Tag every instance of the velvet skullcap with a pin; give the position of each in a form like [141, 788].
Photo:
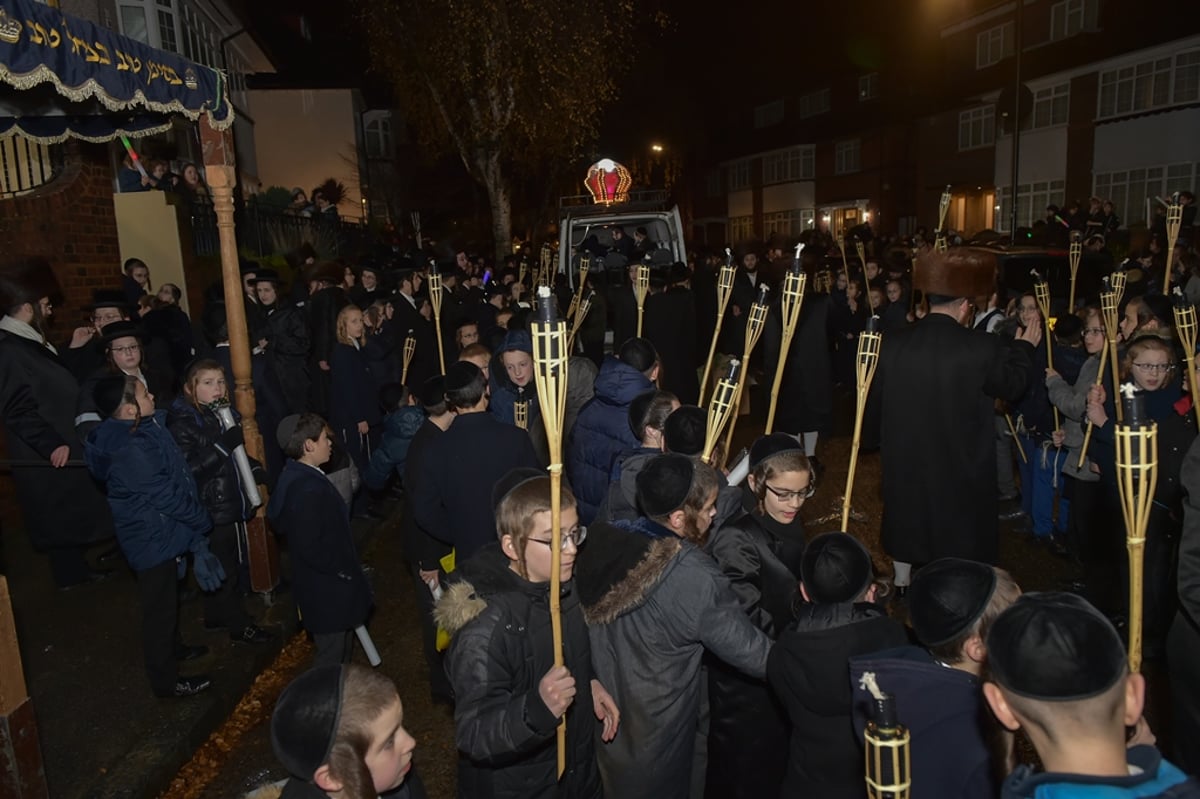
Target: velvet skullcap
[769, 446]
[664, 483]
[286, 429]
[511, 481]
[684, 430]
[305, 721]
[947, 597]
[459, 375]
[108, 393]
[835, 568]
[1055, 647]
[433, 391]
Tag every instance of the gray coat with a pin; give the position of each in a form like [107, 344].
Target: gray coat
[654, 603]
[1071, 401]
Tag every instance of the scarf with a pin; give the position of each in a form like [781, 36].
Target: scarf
[25, 330]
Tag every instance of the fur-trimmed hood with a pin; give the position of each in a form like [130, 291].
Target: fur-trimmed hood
[618, 569]
[484, 575]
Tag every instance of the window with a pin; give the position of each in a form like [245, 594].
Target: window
[788, 223]
[786, 166]
[1187, 77]
[1050, 107]
[769, 114]
[1131, 191]
[846, 156]
[993, 45]
[1032, 199]
[868, 87]
[977, 128]
[1137, 88]
[712, 183]
[741, 228]
[1072, 17]
[378, 135]
[151, 22]
[812, 104]
[739, 175]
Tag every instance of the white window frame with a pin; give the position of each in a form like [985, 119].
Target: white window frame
[1185, 78]
[739, 175]
[976, 128]
[159, 15]
[377, 136]
[1134, 88]
[813, 104]
[791, 222]
[1051, 107]
[994, 45]
[788, 166]
[1072, 17]
[741, 228]
[847, 157]
[768, 114]
[1032, 199]
[868, 87]
[1128, 189]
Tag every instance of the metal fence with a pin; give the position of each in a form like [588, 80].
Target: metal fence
[264, 230]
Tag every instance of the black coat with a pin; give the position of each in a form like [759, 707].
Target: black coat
[1183, 645]
[197, 432]
[932, 411]
[808, 669]
[623, 305]
[425, 357]
[354, 396]
[170, 327]
[420, 548]
[61, 507]
[454, 503]
[805, 399]
[286, 331]
[670, 325]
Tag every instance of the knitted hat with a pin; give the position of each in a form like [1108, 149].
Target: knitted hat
[305, 720]
[684, 430]
[947, 597]
[664, 483]
[774, 444]
[835, 568]
[1055, 647]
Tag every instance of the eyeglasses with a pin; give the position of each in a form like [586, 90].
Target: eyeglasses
[1093, 331]
[576, 537]
[1155, 367]
[791, 496]
[128, 350]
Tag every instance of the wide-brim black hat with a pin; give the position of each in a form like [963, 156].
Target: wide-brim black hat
[125, 327]
[267, 276]
[109, 298]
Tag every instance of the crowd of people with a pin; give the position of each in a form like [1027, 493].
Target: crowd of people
[712, 645]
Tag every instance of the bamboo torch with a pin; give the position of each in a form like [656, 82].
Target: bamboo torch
[720, 408]
[867, 359]
[1041, 292]
[1137, 477]
[754, 328]
[1074, 255]
[641, 285]
[521, 414]
[841, 242]
[543, 275]
[861, 249]
[939, 242]
[550, 356]
[790, 301]
[1174, 217]
[410, 346]
[585, 265]
[887, 746]
[1118, 280]
[577, 321]
[1108, 314]
[435, 299]
[522, 270]
[1185, 326]
[724, 292]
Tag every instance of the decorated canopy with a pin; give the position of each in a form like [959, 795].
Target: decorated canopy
[65, 77]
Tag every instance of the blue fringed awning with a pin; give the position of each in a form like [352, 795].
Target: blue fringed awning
[105, 85]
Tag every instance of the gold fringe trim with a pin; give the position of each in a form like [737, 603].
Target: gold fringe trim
[17, 130]
[90, 88]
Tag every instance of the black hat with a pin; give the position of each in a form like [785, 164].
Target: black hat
[433, 390]
[678, 273]
[108, 393]
[28, 280]
[639, 353]
[286, 429]
[769, 446]
[267, 276]
[684, 430]
[947, 597]
[461, 374]
[305, 721]
[509, 483]
[125, 327]
[247, 266]
[835, 568]
[109, 298]
[664, 483]
[1055, 647]
[494, 288]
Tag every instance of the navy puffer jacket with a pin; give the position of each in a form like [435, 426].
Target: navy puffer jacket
[601, 433]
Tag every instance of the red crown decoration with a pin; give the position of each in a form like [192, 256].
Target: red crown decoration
[608, 182]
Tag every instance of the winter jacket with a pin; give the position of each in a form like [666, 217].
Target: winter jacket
[399, 427]
[505, 393]
[88, 418]
[602, 432]
[809, 672]
[150, 489]
[620, 502]
[500, 649]
[197, 432]
[747, 731]
[1156, 779]
[943, 709]
[354, 395]
[327, 577]
[286, 330]
[1071, 401]
[654, 603]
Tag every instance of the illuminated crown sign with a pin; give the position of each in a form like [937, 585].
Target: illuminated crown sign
[608, 182]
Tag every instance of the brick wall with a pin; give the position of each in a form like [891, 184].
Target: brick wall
[71, 223]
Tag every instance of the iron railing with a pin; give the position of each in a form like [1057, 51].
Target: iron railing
[25, 165]
[264, 230]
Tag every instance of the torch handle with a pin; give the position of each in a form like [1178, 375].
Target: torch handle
[1087, 433]
[437, 331]
[1116, 378]
[722, 306]
[1012, 428]
[1136, 591]
[785, 346]
[556, 632]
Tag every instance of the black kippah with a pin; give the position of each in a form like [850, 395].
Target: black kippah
[774, 444]
[835, 568]
[305, 720]
[684, 430]
[433, 391]
[947, 597]
[664, 483]
[1055, 647]
[108, 394]
[460, 374]
[509, 482]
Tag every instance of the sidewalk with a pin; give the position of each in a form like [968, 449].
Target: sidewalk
[103, 732]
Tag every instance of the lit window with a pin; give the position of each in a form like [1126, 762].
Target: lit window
[741, 228]
[994, 45]
[787, 166]
[1139, 87]
[977, 128]
[1134, 192]
[1032, 199]
[846, 156]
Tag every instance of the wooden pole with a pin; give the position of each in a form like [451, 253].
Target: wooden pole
[581, 313]
[790, 302]
[435, 299]
[867, 359]
[1174, 217]
[1087, 433]
[1012, 428]
[1074, 256]
[862, 263]
[22, 773]
[1137, 477]
[940, 242]
[1041, 291]
[1185, 326]
[754, 328]
[641, 285]
[550, 356]
[724, 292]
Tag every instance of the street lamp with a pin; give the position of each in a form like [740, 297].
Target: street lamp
[656, 148]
